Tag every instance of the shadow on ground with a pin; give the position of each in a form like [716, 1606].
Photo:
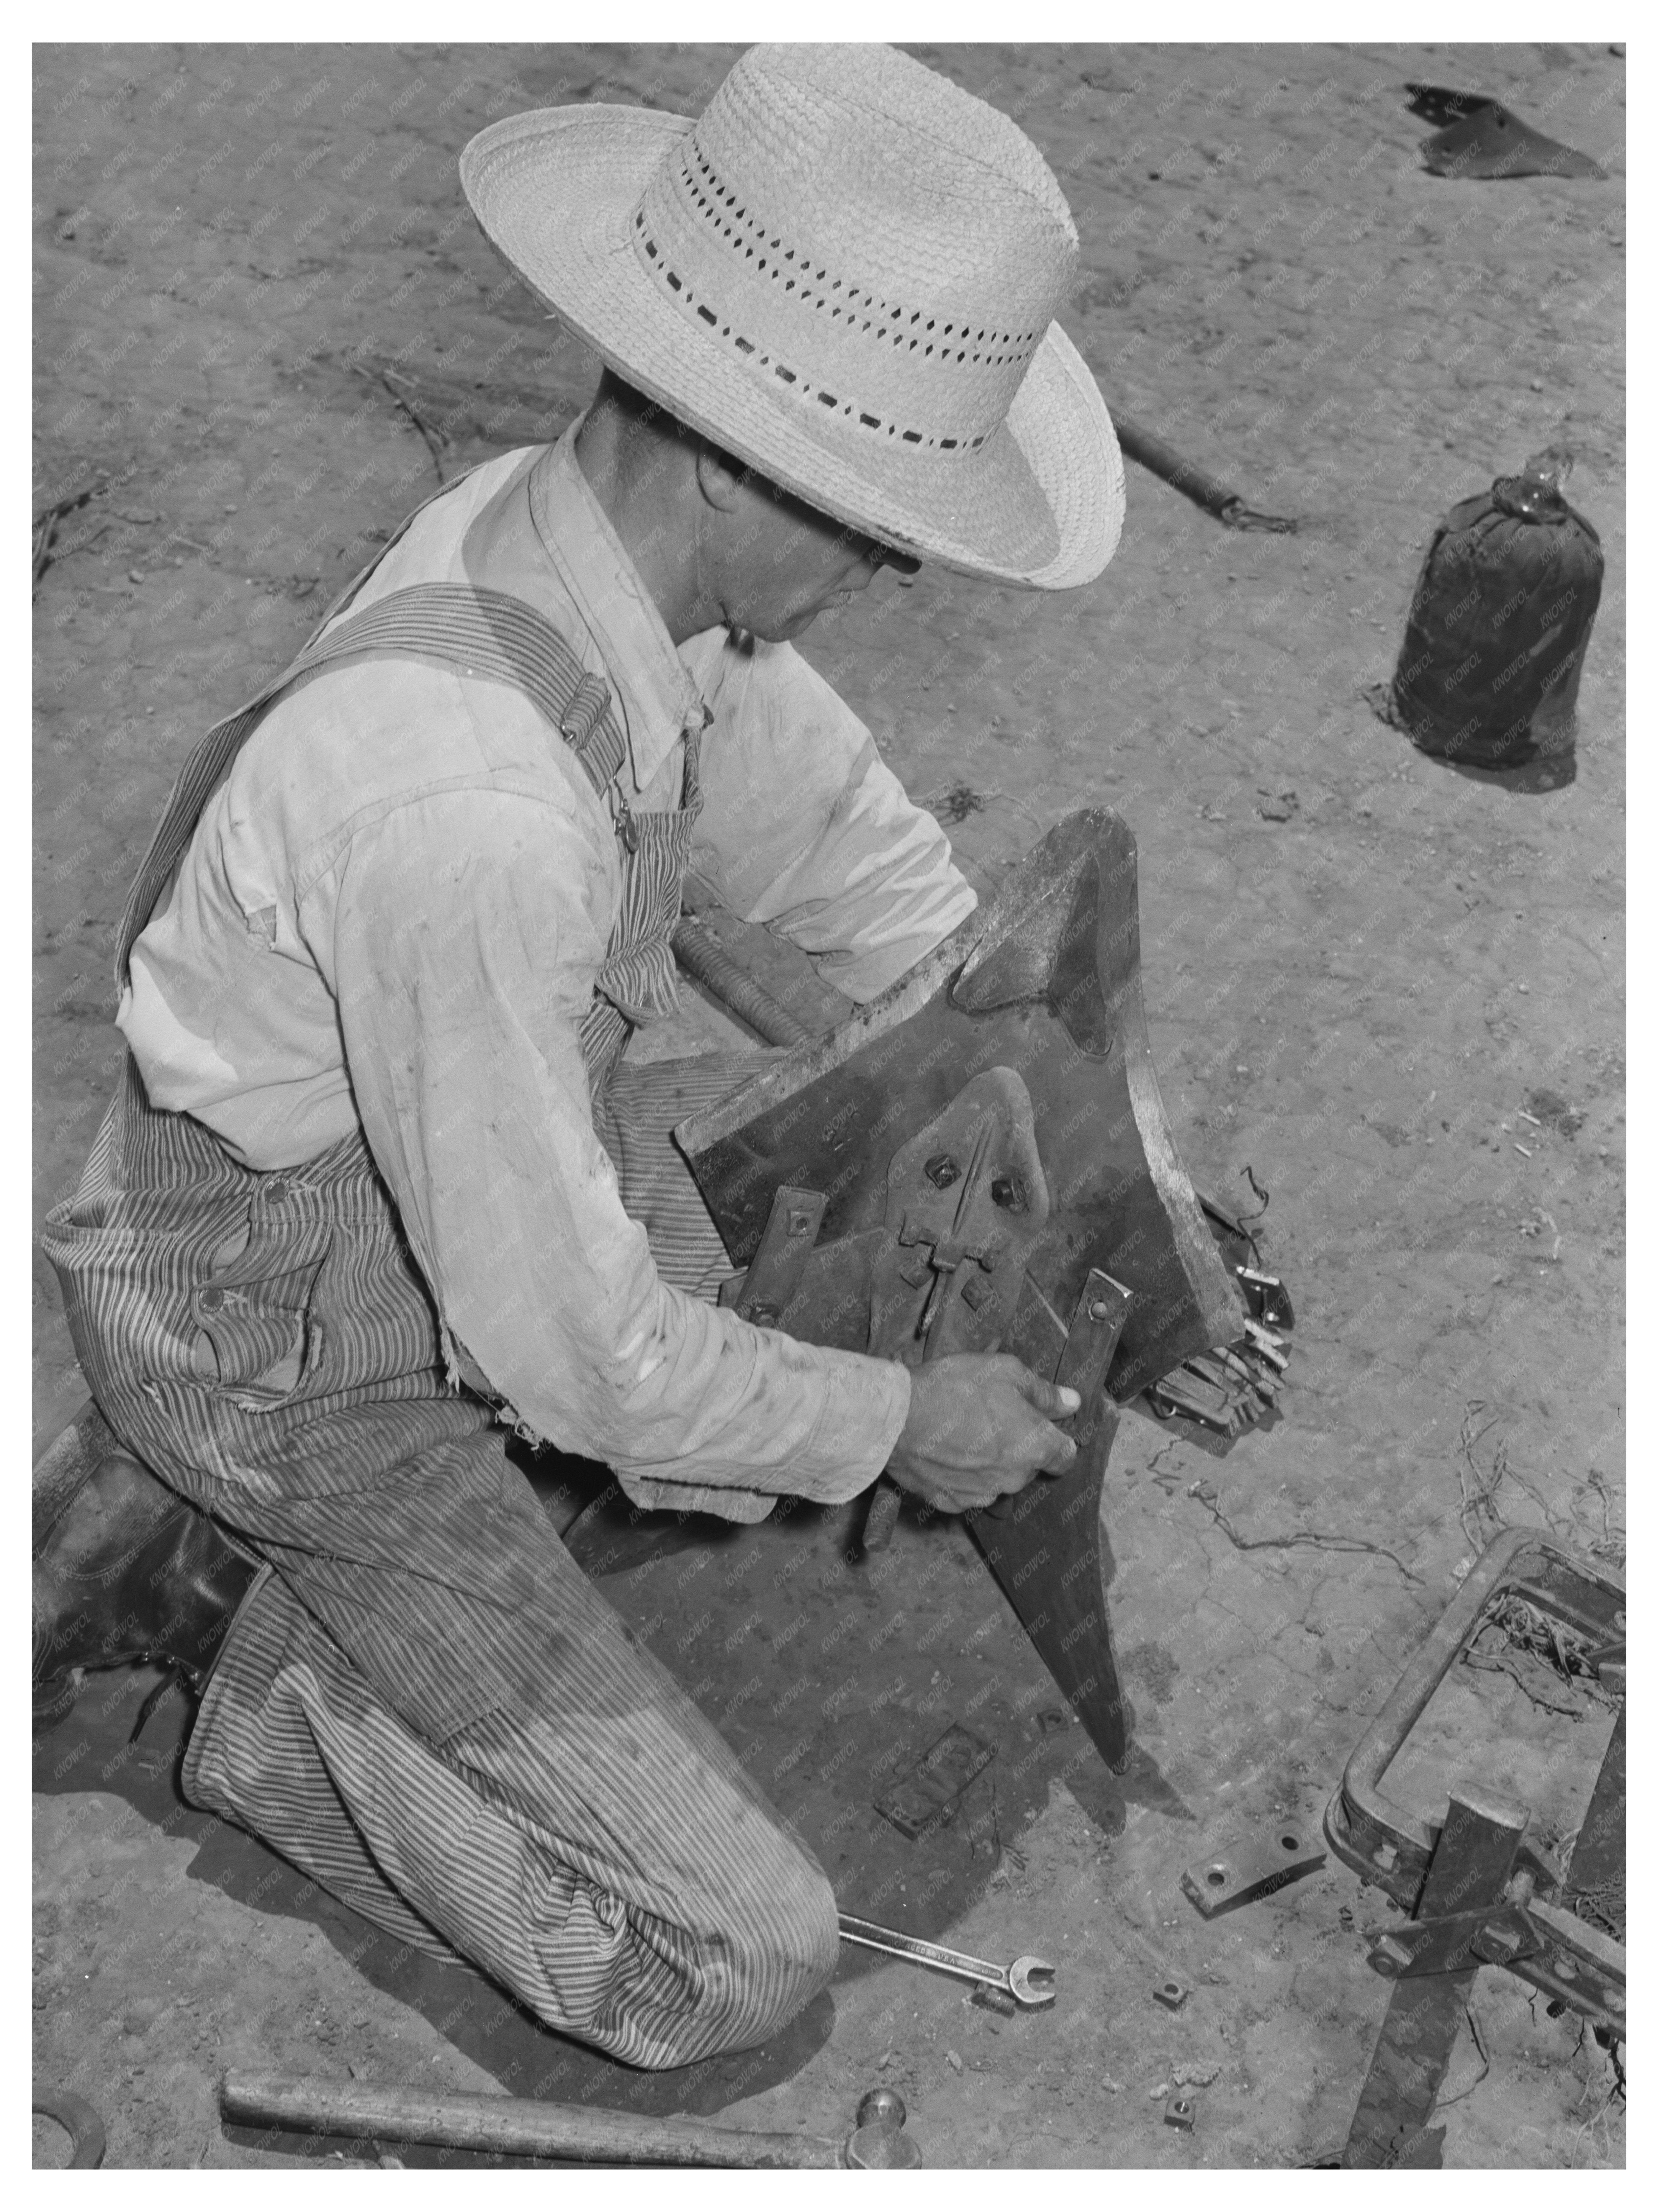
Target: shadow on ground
[821, 1668]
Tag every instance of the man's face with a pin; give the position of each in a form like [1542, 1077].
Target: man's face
[782, 562]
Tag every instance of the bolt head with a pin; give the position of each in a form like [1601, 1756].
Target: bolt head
[941, 1172]
[1390, 1957]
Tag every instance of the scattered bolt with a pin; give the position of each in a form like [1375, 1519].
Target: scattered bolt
[991, 1998]
[1390, 1957]
[1180, 2113]
[1499, 1947]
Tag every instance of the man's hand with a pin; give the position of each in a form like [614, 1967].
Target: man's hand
[980, 1425]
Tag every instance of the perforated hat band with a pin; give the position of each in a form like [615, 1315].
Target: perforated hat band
[849, 272]
[871, 265]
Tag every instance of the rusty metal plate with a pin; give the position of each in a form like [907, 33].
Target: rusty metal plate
[966, 1201]
[1241, 1872]
[764, 1294]
[830, 1115]
[928, 1795]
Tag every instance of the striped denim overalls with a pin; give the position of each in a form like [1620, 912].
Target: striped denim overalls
[424, 1703]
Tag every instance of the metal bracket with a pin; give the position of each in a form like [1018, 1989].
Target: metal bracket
[1485, 1895]
[1552, 1951]
[763, 1294]
[1472, 1860]
[1096, 1327]
[1385, 1842]
[1495, 1936]
[1269, 1301]
[1091, 1344]
[1239, 1873]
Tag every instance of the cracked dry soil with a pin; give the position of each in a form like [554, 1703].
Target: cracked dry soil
[1385, 993]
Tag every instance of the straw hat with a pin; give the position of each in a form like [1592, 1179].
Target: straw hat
[845, 271]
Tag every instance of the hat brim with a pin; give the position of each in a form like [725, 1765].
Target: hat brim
[1039, 504]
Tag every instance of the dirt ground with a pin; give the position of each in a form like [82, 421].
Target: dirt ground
[1387, 994]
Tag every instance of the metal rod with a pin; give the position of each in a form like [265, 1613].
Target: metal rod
[519, 2126]
[1219, 500]
[700, 954]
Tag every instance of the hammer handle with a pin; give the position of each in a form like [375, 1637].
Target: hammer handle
[1157, 454]
[882, 1516]
[519, 2126]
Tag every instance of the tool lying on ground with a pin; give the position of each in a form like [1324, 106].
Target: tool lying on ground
[78, 2120]
[1029, 1982]
[522, 2127]
[1480, 138]
[1482, 1892]
[979, 1160]
[1219, 500]
[928, 1796]
[45, 531]
[1240, 1872]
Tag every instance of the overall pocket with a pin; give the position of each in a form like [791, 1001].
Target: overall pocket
[258, 1339]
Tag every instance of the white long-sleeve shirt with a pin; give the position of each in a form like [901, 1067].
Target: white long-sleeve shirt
[390, 916]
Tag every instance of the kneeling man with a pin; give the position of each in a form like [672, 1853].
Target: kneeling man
[379, 1175]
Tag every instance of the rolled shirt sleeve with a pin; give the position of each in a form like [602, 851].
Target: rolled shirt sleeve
[460, 949]
[806, 829]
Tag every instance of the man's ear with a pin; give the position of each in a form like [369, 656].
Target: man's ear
[719, 479]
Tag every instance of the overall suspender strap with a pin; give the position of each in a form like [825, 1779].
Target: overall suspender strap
[480, 633]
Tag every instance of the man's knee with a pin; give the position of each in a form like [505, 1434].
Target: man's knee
[784, 1948]
[815, 1926]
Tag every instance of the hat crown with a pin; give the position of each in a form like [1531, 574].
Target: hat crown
[866, 235]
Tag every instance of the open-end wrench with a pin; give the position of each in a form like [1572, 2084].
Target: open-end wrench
[1026, 1981]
